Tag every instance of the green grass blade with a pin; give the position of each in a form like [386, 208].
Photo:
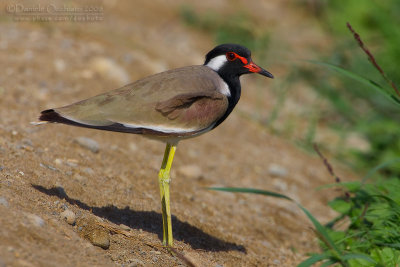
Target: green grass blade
[328, 263]
[379, 167]
[351, 256]
[319, 228]
[394, 245]
[322, 231]
[395, 205]
[351, 186]
[313, 259]
[251, 191]
[365, 81]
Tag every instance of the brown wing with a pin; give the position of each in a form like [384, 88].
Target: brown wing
[177, 102]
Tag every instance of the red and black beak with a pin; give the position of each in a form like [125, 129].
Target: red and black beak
[252, 67]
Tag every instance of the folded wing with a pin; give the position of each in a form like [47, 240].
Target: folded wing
[179, 102]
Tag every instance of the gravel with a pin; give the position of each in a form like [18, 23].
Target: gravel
[277, 171]
[88, 143]
[107, 67]
[3, 202]
[88, 170]
[99, 238]
[69, 216]
[190, 171]
[135, 263]
[35, 220]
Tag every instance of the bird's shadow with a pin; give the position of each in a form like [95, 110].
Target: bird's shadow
[149, 221]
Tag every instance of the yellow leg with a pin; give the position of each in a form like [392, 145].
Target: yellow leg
[164, 179]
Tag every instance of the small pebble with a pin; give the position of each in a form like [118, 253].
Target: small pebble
[1, 168]
[69, 216]
[35, 220]
[27, 142]
[193, 153]
[135, 263]
[88, 143]
[125, 227]
[108, 67]
[48, 167]
[100, 238]
[58, 162]
[276, 170]
[80, 178]
[88, 171]
[280, 185]
[59, 65]
[72, 163]
[3, 202]
[190, 171]
[133, 147]
[25, 147]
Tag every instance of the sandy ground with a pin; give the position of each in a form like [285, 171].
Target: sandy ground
[108, 191]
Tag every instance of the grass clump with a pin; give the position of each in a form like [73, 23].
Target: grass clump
[372, 212]
[357, 109]
[369, 214]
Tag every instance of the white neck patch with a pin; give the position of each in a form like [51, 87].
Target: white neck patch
[217, 62]
[224, 88]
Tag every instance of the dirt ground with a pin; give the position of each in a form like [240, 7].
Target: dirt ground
[61, 200]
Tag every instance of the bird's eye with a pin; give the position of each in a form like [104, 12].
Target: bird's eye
[231, 56]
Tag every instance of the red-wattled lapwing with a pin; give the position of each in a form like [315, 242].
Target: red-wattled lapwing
[168, 106]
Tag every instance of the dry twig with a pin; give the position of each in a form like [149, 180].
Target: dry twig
[330, 170]
[371, 58]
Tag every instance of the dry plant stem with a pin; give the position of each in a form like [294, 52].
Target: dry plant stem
[330, 170]
[371, 58]
[326, 163]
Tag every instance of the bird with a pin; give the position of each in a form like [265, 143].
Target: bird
[170, 106]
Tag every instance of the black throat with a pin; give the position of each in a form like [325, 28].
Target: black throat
[234, 87]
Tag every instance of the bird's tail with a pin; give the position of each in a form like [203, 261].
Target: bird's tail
[50, 115]
[47, 116]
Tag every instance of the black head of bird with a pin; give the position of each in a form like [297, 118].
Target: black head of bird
[232, 60]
